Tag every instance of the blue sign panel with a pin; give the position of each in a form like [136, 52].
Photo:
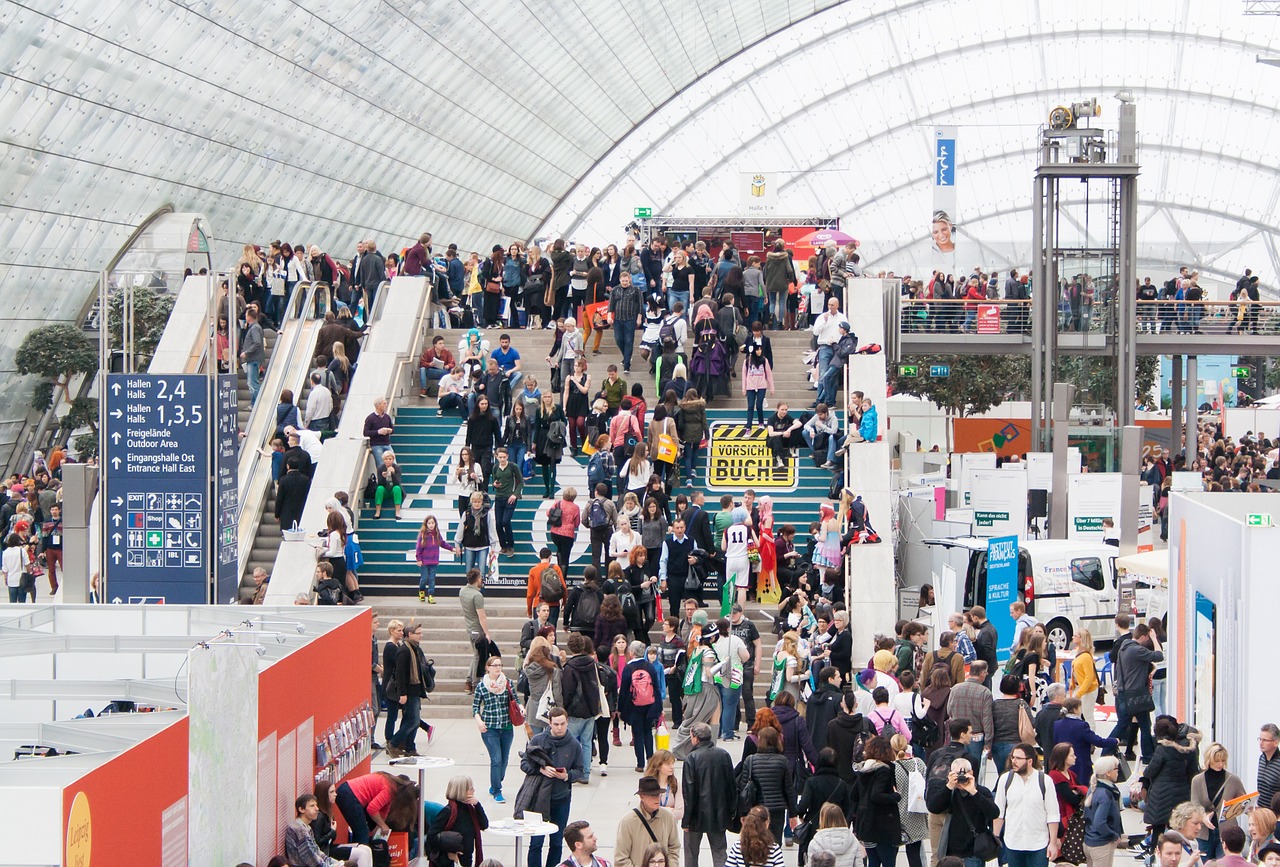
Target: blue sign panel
[940, 371]
[157, 469]
[226, 489]
[945, 160]
[1002, 589]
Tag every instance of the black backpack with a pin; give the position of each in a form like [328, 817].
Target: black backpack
[886, 729]
[587, 609]
[924, 731]
[429, 675]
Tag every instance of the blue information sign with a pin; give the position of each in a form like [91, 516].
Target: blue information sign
[1002, 589]
[939, 371]
[945, 163]
[157, 471]
[226, 488]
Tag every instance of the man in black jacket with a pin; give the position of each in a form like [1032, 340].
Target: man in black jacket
[986, 641]
[291, 496]
[373, 270]
[971, 806]
[709, 796]
[580, 692]
[1131, 665]
[847, 734]
[409, 691]
[824, 705]
[936, 773]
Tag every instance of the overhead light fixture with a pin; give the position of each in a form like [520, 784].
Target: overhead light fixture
[1125, 95]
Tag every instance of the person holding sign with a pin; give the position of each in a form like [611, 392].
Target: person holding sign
[1212, 790]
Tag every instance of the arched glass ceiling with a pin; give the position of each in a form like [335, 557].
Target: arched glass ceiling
[843, 107]
[320, 121]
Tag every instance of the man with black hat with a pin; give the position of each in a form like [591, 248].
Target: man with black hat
[648, 823]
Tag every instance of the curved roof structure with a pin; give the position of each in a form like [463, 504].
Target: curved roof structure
[324, 121]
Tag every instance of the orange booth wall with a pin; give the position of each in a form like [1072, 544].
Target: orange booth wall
[323, 680]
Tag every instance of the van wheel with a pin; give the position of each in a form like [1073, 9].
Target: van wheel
[1060, 633]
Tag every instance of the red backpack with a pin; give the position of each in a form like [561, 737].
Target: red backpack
[642, 686]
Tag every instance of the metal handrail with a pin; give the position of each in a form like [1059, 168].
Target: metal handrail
[252, 461]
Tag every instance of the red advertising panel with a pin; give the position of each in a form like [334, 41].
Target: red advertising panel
[988, 318]
[748, 242]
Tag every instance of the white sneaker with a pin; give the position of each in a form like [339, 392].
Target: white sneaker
[604, 769]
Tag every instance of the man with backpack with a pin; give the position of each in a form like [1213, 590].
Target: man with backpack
[639, 704]
[602, 515]
[580, 691]
[583, 605]
[848, 734]
[824, 706]
[546, 586]
[1029, 815]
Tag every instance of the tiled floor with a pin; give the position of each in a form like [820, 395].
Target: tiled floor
[602, 803]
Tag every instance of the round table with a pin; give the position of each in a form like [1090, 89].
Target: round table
[422, 763]
[521, 830]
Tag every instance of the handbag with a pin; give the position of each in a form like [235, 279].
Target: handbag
[1026, 730]
[667, 449]
[514, 711]
[1072, 849]
[493, 285]
[1123, 771]
[985, 846]
[1139, 702]
[748, 790]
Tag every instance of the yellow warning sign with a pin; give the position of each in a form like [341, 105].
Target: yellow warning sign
[738, 458]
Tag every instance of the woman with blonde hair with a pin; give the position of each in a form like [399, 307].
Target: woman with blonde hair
[542, 670]
[915, 825]
[833, 835]
[1262, 830]
[1210, 789]
[1084, 675]
[340, 367]
[788, 673]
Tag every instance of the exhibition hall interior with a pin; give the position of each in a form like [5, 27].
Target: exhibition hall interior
[583, 433]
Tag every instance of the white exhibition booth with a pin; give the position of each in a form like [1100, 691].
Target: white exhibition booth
[1223, 599]
[172, 734]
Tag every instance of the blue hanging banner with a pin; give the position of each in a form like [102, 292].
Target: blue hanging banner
[1002, 589]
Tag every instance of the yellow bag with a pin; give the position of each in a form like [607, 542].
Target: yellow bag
[668, 448]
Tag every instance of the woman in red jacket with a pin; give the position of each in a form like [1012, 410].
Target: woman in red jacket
[972, 293]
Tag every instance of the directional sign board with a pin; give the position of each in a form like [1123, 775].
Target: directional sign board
[940, 370]
[1240, 372]
[226, 487]
[643, 213]
[906, 370]
[157, 470]
[1259, 520]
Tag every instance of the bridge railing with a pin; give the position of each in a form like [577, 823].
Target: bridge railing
[1013, 316]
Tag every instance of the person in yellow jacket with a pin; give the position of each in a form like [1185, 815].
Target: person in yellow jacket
[1084, 675]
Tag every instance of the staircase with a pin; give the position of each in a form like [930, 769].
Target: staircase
[444, 640]
[427, 444]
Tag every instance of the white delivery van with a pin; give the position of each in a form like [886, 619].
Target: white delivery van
[1065, 584]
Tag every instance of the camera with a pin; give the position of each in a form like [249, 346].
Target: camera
[962, 777]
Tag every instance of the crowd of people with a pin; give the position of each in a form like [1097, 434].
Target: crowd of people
[848, 762]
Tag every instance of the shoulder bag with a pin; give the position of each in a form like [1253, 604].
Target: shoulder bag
[1026, 729]
[514, 711]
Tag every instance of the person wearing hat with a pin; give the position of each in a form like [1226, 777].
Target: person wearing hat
[645, 824]
[448, 849]
[701, 699]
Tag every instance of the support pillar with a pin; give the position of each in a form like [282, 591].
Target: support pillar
[1127, 306]
[1063, 396]
[1040, 296]
[1193, 410]
[1130, 483]
[1175, 407]
[79, 488]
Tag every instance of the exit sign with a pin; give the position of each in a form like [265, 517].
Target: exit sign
[644, 213]
[940, 371]
[908, 370]
[1258, 520]
[1242, 372]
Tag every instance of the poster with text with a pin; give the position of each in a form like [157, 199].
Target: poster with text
[942, 224]
[1002, 589]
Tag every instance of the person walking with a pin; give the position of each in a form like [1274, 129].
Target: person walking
[701, 701]
[984, 642]
[912, 812]
[1011, 717]
[1103, 828]
[580, 690]
[769, 769]
[972, 700]
[875, 804]
[563, 521]
[1029, 814]
[427, 553]
[477, 534]
[756, 845]
[731, 655]
[508, 484]
[390, 650]
[649, 823]
[1074, 730]
[490, 705]
[553, 758]
[707, 780]
[1166, 780]
[1131, 667]
[1084, 675]
[409, 691]
[471, 601]
[639, 705]
[1268, 763]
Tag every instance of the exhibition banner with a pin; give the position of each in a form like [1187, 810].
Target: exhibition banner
[758, 193]
[967, 464]
[1091, 497]
[943, 217]
[739, 457]
[999, 502]
[1002, 589]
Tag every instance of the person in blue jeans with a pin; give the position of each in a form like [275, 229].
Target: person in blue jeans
[823, 423]
[490, 705]
[1006, 712]
[733, 654]
[564, 769]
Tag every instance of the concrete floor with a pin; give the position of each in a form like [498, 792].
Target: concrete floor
[603, 802]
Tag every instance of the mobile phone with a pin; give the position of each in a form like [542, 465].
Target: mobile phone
[559, 770]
